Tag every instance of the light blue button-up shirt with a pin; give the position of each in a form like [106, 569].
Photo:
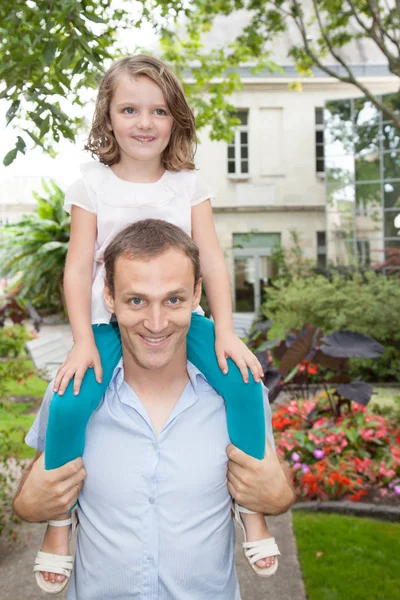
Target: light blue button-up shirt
[155, 521]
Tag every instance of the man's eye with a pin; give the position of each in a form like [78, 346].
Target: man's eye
[160, 112]
[174, 300]
[136, 301]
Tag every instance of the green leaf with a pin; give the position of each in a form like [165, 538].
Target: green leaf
[21, 146]
[10, 157]
[12, 111]
[49, 52]
[92, 17]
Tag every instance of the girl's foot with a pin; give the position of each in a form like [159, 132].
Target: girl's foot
[256, 529]
[56, 541]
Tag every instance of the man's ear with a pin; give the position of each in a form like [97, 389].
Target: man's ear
[108, 299]
[197, 293]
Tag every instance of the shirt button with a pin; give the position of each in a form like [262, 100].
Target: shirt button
[149, 559]
[152, 500]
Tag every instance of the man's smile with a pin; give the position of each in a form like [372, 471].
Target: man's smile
[155, 342]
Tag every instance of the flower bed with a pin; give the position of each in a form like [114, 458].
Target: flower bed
[349, 457]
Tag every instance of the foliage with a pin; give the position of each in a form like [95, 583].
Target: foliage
[11, 442]
[290, 261]
[13, 370]
[14, 425]
[367, 303]
[347, 558]
[34, 250]
[13, 340]
[49, 53]
[33, 386]
[320, 33]
[307, 355]
[338, 457]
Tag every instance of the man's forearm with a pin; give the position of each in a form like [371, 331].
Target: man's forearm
[281, 498]
[260, 485]
[18, 504]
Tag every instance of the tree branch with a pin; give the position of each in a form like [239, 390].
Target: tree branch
[351, 79]
[377, 26]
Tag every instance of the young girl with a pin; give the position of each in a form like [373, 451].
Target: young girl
[143, 134]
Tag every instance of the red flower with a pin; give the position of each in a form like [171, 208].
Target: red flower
[357, 496]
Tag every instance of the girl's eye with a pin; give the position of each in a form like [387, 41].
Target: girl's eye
[174, 300]
[136, 301]
[160, 112]
[129, 110]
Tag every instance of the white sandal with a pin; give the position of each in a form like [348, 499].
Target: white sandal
[258, 550]
[54, 563]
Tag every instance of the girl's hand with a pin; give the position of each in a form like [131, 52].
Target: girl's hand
[228, 345]
[81, 357]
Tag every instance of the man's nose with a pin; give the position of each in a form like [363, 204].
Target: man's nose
[156, 319]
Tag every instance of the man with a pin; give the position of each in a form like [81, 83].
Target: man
[154, 512]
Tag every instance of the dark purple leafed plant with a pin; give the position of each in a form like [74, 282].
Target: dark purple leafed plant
[308, 354]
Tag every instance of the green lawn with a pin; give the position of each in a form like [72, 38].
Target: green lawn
[15, 421]
[34, 386]
[359, 561]
[385, 396]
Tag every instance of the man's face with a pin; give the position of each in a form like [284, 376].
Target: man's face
[153, 301]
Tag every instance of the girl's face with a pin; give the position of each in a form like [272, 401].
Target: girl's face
[140, 119]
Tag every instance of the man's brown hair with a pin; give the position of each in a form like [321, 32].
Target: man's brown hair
[147, 239]
[181, 147]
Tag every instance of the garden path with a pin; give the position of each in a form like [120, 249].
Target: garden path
[17, 581]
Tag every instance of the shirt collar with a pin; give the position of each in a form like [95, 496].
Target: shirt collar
[195, 377]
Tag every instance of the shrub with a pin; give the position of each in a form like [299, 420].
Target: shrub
[338, 458]
[367, 303]
[11, 442]
[33, 251]
[13, 340]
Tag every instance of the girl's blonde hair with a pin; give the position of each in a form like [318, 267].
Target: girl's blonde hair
[181, 147]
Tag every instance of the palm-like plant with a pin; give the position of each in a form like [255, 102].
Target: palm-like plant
[34, 250]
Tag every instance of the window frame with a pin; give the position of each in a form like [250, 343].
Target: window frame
[319, 128]
[237, 145]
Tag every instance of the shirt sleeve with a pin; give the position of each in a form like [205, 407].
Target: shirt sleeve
[201, 192]
[36, 436]
[268, 419]
[79, 194]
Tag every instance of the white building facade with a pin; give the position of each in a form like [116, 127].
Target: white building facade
[271, 179]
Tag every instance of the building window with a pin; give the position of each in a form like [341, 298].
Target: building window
[238, 150]
[321, 249]
[363, 252]
[319, 140]
[253, 268]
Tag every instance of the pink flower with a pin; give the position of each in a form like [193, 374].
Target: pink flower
[306, 469]
[295, 457]
[367, 434]
[385, 472]
[296, 466]
[319, 454]
[397, 489]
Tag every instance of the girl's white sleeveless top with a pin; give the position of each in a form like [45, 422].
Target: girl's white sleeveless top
[117, 203]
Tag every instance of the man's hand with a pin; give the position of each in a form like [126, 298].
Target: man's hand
[260, 485]
[45, 495]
